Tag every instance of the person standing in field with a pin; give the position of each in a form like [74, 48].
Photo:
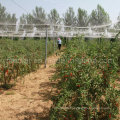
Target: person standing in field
[59, 43]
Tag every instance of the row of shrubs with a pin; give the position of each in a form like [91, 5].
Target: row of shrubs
[20, 57]
[85, 76]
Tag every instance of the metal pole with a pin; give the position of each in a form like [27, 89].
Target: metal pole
[54, 42]
[46, 47]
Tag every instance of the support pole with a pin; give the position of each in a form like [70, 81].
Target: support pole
[46, 47]
[54, 42]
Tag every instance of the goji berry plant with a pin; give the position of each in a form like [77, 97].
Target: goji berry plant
[20, 57]
[86, 75]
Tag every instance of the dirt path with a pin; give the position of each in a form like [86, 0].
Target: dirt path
[31, 100]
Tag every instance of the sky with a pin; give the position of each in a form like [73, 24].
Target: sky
[112, 7]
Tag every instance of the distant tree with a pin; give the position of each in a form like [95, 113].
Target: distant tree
[54, 17]
[69, 17]
[99, 16]
[29, 18]
[23, 19]
[117, 25]
[82, 18]
[3, 13]
[39, 16]
[26, 19]
[13, 18]
[6, 17]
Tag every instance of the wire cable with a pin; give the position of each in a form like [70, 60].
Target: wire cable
[19, 6]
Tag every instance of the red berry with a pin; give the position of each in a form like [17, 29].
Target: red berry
[65, 76]
[70, 74]
[109, 115]
[78, 85]
[117, 105]
[7, 71]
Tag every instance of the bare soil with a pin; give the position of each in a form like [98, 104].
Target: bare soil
[30, 99]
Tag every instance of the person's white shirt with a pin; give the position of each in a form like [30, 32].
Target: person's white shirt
[59, 41]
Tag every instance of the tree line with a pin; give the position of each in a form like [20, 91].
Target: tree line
[6, 17]
[38, 16]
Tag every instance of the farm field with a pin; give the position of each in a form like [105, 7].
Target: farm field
[86, 75]
[59, 62]
[79, 83]
[30, 98]
[20, 57]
